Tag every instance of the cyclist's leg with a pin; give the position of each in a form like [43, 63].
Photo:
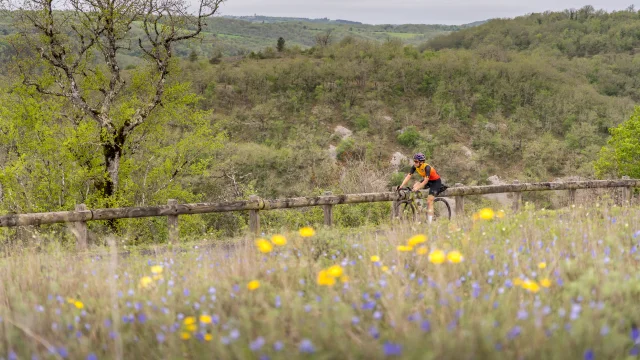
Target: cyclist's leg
[434, 188]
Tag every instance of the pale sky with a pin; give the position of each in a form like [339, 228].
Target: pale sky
[450, 12]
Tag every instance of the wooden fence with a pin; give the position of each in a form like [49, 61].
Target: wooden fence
[255, 204]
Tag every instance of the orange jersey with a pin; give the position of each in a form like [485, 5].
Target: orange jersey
[422, 170]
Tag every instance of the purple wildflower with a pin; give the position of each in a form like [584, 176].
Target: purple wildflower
[62, 351]
[425, 326]
[92, 356]
[588, 355]
[514, 333]
[278, 346]
[391, 349]
[257, 344]
[142, 318]
[306, 346]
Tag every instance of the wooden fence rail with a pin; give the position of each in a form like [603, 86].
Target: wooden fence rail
[81, 215]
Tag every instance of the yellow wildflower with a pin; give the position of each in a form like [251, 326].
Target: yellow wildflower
[71, 300]
[279, 240]
[192, 327]
[208, 337]
[455, 257]
[403, 248]
[532, 286]
[416, 240]
[253, 285]
[486, 214]
[335, 271]
[517, 281]
[264, 246]
[375, 258]
[156, 269]
[145, 282]
[385, 268]
[437, 257]
[189, 320]
[78, 304]
[542, 265]
[205, 319]
[422, 250]
[344, 279]
[185, 335]
[545, 282]
[324, 279]
[500, 214]
[307, 231]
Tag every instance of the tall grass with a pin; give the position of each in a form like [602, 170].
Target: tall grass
[57, 304]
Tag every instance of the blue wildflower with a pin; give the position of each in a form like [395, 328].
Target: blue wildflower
[373, 331]
[92, 356]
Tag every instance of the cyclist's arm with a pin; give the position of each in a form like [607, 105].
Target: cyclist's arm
[406, 178]
[405, 181]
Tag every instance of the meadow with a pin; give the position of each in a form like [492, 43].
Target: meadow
[551, 284]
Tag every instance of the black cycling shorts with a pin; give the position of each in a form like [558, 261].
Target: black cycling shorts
[434, 186]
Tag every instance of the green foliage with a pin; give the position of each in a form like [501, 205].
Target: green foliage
[621, 156]
[409, 137]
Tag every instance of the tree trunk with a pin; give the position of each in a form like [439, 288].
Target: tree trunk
[112, 147]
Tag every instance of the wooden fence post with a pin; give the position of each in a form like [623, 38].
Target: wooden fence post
[81, 230]
[459, 202]
[328, 211]
[254, 217]
[572, 196]
[394, 206]
[517, 198]
[172, 222]
[627, 192]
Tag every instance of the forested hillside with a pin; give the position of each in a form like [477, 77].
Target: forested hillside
[531, 98]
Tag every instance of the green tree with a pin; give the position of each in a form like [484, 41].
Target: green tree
[78, 61]
[280, 45]
[193, 56]
[621, 155]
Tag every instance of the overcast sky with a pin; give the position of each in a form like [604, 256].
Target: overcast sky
[453, 12]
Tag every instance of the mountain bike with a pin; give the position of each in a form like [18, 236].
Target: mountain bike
[411, 209]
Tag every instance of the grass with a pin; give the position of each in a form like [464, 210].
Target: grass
[57, 304]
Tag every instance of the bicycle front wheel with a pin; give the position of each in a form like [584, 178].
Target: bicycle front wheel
[441, 209]
[406, 211]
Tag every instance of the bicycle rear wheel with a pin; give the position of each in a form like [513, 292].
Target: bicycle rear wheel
[406, 211]
[441, 209]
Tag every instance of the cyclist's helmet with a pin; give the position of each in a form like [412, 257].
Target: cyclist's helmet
[419, 157]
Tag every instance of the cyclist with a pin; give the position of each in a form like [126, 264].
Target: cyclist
[430, 177]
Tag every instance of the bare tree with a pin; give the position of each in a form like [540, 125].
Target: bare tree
[324, 39]
[59, 44]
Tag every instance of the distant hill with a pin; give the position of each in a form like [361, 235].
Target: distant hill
[240, 35]
[278, 19]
